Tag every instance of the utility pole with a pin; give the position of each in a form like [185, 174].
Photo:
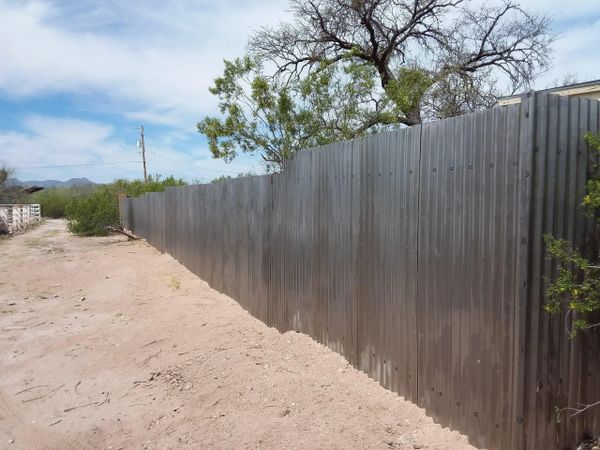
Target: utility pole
[143, 146]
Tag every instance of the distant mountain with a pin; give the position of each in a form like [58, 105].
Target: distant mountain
[51, 183]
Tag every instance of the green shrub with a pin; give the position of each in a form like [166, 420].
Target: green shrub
[576, 286]
[90, 215]
[136, 188]
[229, 177]
[55, 200]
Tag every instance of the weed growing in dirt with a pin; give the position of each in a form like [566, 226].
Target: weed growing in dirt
[172, 282]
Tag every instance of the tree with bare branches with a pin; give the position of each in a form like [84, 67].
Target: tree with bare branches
[434, 58]
[343, 69]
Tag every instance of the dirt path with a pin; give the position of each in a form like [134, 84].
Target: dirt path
[107, 343]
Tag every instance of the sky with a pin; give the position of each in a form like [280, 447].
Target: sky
[78, 78]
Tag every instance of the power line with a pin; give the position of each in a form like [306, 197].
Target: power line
[217, 171]
[168, 159]
[76, 165]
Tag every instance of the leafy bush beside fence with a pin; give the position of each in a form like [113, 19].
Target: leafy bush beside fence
[92, 214]
[54, 201]
[576, 288]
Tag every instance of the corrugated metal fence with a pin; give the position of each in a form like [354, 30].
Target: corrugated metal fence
[418, 255]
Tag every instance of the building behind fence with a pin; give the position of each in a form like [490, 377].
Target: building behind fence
[17, 217]
[418, 255]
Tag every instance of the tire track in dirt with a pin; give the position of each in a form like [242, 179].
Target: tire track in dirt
[31, 436]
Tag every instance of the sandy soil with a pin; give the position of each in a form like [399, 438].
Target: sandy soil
[106, 343]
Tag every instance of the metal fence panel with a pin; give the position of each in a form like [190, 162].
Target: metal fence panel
[387, 255]
[468, 237]
[560, 372]
[418, 255]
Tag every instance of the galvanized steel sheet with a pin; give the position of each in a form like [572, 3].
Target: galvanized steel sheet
[416, 254]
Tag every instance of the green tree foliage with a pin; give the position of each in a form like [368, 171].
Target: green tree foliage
[341, 69]
[450, 55]
[10, 194]
[93, 214]
[54, 201]
[223, 178]
[276, 117]
[5, 172]
[136, 188]
[576, 288]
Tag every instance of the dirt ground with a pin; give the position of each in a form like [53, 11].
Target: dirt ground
[106, 343]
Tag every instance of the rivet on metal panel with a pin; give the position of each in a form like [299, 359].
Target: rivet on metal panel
[396, 368]
[523, 241]
[451, 168]
[440, 393]
[537, 149]
[410, 171]
[515, 163]
[491, 164]
[527, 114]
[559, 150]
[527, 174]
[520, 419]
[458, 403]
[434, 169]
[476, 413]
[470, 166]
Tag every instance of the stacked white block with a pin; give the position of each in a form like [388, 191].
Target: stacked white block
[17, 217]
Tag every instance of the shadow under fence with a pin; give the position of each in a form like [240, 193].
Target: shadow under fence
[418, 255]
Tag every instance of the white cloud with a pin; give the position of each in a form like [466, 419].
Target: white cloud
[48, 142]
[143, 61]
[151, 60]
[154, 60]
[83, 148]
[576, 53]
[561, 10]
